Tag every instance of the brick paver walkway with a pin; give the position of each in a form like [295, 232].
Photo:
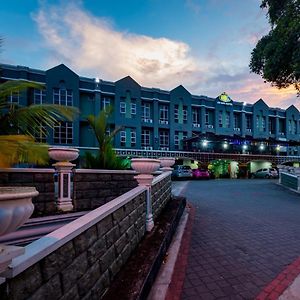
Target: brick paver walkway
[245, 233]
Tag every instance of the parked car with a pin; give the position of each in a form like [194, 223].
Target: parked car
[200, 174]
[182, 172]
[265, 173]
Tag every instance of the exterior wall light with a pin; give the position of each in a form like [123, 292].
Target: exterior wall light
[278, 148]
[204, 143]
[245, 147]
[261, 147]
[225, 145]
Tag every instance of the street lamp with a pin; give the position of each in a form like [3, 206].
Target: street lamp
[225, 145]
[204, 143]
[245, 147]
[261, 147]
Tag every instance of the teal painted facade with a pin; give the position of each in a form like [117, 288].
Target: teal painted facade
[169, 119]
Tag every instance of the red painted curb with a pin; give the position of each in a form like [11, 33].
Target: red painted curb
[176, 284]
[282, 281]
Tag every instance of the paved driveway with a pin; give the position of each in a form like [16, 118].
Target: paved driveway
[244, 234]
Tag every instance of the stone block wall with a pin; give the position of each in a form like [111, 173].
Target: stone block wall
[42, 180]
[91, 189]
[161, 194]
[84, 266]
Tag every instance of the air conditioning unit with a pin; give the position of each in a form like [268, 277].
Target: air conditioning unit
[249, 130]
[150, 121]
[150, 148]
[196, 125]
[237, 129]
[210, 126]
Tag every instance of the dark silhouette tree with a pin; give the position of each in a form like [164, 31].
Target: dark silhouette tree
[276, 56]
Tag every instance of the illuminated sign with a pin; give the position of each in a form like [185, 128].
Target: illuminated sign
[224, 99]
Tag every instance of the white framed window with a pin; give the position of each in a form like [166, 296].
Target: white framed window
[290, 126]
[40, 134]
[184, 114]
[105, 103]
[133, 137]
[163, 138]
[176, 140]
[176, 113]
[206, 118]
[122, 107]
[63, 133]
[63, 97]
[294, 127]
[123, 138]
[263, 123]
[220, 119]
[145, 138]
[14, 97]
[133, 108]
[236, 121]
[146, 111]
[39, 96]
[257, 122]
[227, 119]
[248, 122]
[163, 113]
[195, 116]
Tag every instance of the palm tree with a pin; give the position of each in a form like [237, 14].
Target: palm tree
[18, 125]
[106, 157]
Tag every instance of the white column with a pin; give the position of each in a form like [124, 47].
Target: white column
[64, 170]
[146, 180]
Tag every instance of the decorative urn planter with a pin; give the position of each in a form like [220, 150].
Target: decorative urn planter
[166, 163]
[15, 209]
[145, 165]
[63, 154]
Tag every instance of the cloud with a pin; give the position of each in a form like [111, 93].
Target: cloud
[92, 47]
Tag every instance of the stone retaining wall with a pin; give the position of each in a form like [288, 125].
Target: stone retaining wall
[160, 193]
[79, 260]
[93, 188]
[41, 179]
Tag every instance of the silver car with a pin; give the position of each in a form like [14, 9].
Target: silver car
[265, 173]
[182, 172]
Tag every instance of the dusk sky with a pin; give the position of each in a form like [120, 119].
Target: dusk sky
[205, 45]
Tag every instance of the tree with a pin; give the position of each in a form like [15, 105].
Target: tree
[106, 157]
[276, 56]
[18, 125]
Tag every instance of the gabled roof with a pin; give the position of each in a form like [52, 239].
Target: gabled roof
[62, 66]
[181, 88]
[292, 108]
[260, 102]
[128, 78]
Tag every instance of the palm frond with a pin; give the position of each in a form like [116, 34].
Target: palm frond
[20, 148]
